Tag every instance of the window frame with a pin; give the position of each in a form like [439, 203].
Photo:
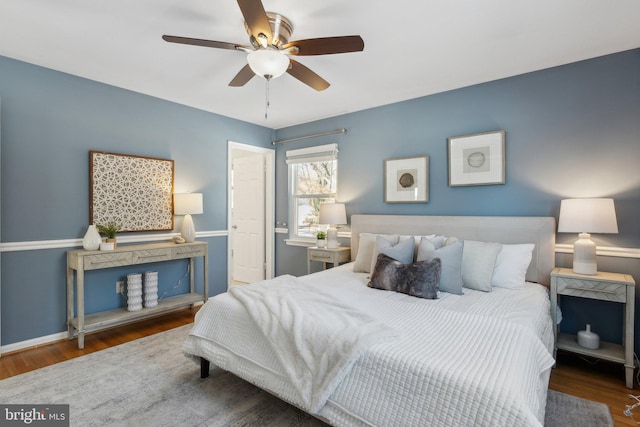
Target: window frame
[328, 152]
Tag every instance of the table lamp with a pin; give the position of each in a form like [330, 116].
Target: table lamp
[332, 214]
[586, 216]
[187, 204]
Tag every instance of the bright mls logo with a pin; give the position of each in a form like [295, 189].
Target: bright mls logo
[34, 415]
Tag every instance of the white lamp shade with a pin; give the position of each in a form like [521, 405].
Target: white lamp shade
[187, 203]
[268, 62]
[333, 214]
[587, 216]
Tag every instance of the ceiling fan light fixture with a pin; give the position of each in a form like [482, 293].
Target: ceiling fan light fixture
[268, 62]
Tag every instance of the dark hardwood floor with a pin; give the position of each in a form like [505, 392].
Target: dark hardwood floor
[600, 382]
[33, 358]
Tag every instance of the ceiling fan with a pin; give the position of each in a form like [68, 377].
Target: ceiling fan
[270, 50]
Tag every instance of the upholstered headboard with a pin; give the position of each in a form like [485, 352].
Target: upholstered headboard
[502, 229]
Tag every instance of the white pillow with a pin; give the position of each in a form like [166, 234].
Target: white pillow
[511, 266]
[402, 251]
[366, 247]
[478, 262]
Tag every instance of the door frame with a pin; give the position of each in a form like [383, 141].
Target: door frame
[269, 155]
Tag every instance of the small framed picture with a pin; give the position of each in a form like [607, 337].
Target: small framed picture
[406, 180]
[477, 159]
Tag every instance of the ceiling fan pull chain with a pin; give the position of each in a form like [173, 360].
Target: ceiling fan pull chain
[266, 104]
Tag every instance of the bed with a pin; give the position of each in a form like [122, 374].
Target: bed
[481, 358]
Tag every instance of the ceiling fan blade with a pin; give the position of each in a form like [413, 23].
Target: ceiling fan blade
[242, 77]
[205, 43]
[307, 76]
[327, 45]
[256, 18]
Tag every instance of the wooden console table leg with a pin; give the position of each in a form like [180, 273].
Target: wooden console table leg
[205, 260]
[629, 335]
[192, 279]
[80, 302]
[70, 308]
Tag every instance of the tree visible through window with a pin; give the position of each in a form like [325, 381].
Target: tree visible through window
[315, 183]
[312, 181]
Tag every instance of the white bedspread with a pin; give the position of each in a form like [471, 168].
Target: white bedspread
[315, 337]
[479, 359]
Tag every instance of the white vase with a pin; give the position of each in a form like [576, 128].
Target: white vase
[91, 240]
[150, 288]
[588, 339]
[134, 292]
[321, 243]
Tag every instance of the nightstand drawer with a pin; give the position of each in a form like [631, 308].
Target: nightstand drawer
[329, 255]
[320, 255]
[594, 289]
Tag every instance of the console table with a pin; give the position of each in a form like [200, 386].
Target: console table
[79, 261]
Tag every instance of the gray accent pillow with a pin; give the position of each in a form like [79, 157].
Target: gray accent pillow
[451, 259]
[478, 262]
[402, 251]
[418, 280]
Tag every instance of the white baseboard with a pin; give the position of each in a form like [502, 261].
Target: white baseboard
[32, 343]
[45, 340]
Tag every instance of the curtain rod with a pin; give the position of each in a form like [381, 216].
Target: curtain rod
[343, 130]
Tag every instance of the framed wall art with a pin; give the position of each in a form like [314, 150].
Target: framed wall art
[406, 180]
[477, 159]
[134, 192]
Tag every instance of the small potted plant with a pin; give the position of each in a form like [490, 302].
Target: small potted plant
[109, 231]
[321, 238]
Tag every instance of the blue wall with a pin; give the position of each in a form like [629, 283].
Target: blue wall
[571, 131]
[50, 121]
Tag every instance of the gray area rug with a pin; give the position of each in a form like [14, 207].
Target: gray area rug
[149, 382]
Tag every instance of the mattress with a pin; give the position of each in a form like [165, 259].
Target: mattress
[482, 358]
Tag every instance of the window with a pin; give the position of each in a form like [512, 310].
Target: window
[312, 181]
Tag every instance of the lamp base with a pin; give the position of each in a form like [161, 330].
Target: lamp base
[188, 230]
[332, 237]
[584, 255]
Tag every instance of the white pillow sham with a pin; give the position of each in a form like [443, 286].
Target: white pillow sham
[511, 266]
[478, 262]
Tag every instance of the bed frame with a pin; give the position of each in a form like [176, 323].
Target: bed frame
[511, 230]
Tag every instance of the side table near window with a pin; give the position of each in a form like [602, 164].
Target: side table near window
[335, 256]
[605, 287]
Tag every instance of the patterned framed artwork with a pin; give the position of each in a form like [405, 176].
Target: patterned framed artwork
[477, 159]
[406, 180]
[134, 192]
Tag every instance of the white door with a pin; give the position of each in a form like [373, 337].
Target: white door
[248, 218]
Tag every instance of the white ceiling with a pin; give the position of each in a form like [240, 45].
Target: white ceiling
[412, 47]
